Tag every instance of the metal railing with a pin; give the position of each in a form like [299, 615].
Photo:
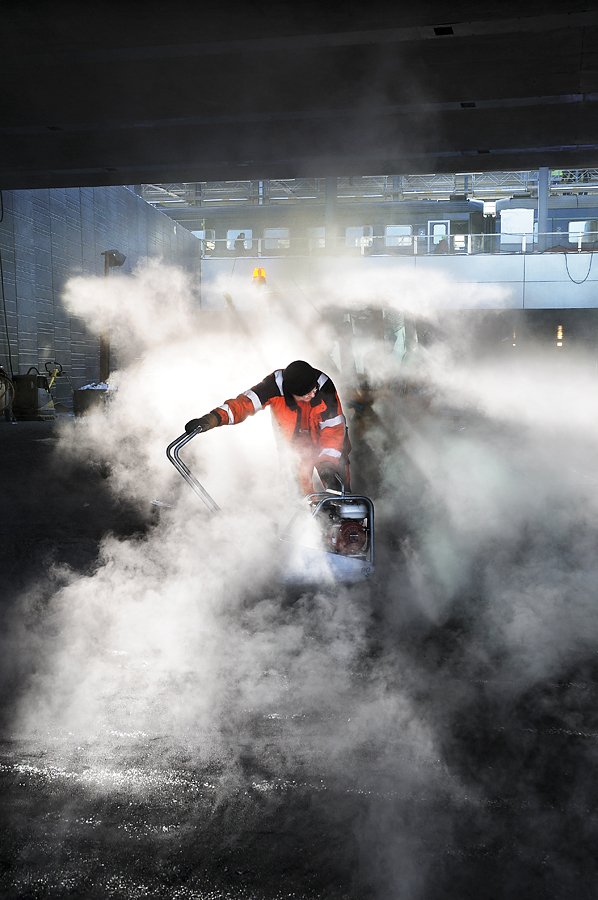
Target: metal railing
[405, 245]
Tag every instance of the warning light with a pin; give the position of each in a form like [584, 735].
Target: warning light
[559, 336]
[259, 276]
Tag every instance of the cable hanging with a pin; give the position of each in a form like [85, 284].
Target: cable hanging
[588, 272]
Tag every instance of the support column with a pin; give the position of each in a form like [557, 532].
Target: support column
[330, 214]
[542, 207]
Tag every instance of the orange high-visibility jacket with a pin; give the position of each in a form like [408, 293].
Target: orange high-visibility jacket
[319, 423]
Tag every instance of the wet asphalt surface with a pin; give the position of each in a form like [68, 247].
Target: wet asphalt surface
[507, 807]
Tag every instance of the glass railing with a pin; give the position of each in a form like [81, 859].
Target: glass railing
[405, 245]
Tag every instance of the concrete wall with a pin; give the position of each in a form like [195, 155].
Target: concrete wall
[518, 281]
[46, 237]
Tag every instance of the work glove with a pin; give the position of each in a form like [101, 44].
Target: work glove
[330, 478]
[211, 420]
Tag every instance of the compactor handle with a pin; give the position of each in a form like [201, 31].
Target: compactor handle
[172, 452]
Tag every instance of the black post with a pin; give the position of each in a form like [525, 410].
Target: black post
[111, 258]
[105, 334]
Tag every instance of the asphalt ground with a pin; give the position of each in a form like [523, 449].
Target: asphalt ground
[504, 805]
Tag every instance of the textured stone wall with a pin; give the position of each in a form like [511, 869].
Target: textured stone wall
[46, 237]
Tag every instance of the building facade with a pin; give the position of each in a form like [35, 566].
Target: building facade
[49, 236]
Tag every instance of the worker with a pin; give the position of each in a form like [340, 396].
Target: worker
[309, 415]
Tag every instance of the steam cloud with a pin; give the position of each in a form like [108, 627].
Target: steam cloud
[485, 491]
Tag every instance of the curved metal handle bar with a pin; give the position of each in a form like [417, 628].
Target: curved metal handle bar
[172, 452]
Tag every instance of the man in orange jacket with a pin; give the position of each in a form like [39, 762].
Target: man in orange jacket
[309, 415]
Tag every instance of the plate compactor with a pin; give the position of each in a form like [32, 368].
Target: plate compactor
[329, 540]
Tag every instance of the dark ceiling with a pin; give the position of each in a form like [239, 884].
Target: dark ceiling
[134, 93]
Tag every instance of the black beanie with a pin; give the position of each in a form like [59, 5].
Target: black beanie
[299, 378]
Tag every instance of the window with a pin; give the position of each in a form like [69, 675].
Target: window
[397, 236]
[359, 236]
[234, 234]
[276, 239]
[514, 224]
[438, 230]
[207, 238]
[316, 238]
[584, 231]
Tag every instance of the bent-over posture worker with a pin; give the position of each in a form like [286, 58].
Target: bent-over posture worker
[308, 412]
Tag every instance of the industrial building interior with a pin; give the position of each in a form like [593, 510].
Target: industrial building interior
[193, 197]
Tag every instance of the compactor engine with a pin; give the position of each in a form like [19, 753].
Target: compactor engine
[345, 529]
[330, 539]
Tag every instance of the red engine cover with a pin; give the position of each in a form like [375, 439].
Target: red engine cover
[349, 537]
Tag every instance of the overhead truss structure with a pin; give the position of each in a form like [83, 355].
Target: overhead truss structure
[473, 185]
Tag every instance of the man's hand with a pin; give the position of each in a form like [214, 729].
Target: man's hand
[205, 423]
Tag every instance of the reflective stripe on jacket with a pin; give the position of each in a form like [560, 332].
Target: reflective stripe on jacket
[319, 422]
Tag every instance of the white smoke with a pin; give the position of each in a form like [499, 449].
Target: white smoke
[486, 504]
